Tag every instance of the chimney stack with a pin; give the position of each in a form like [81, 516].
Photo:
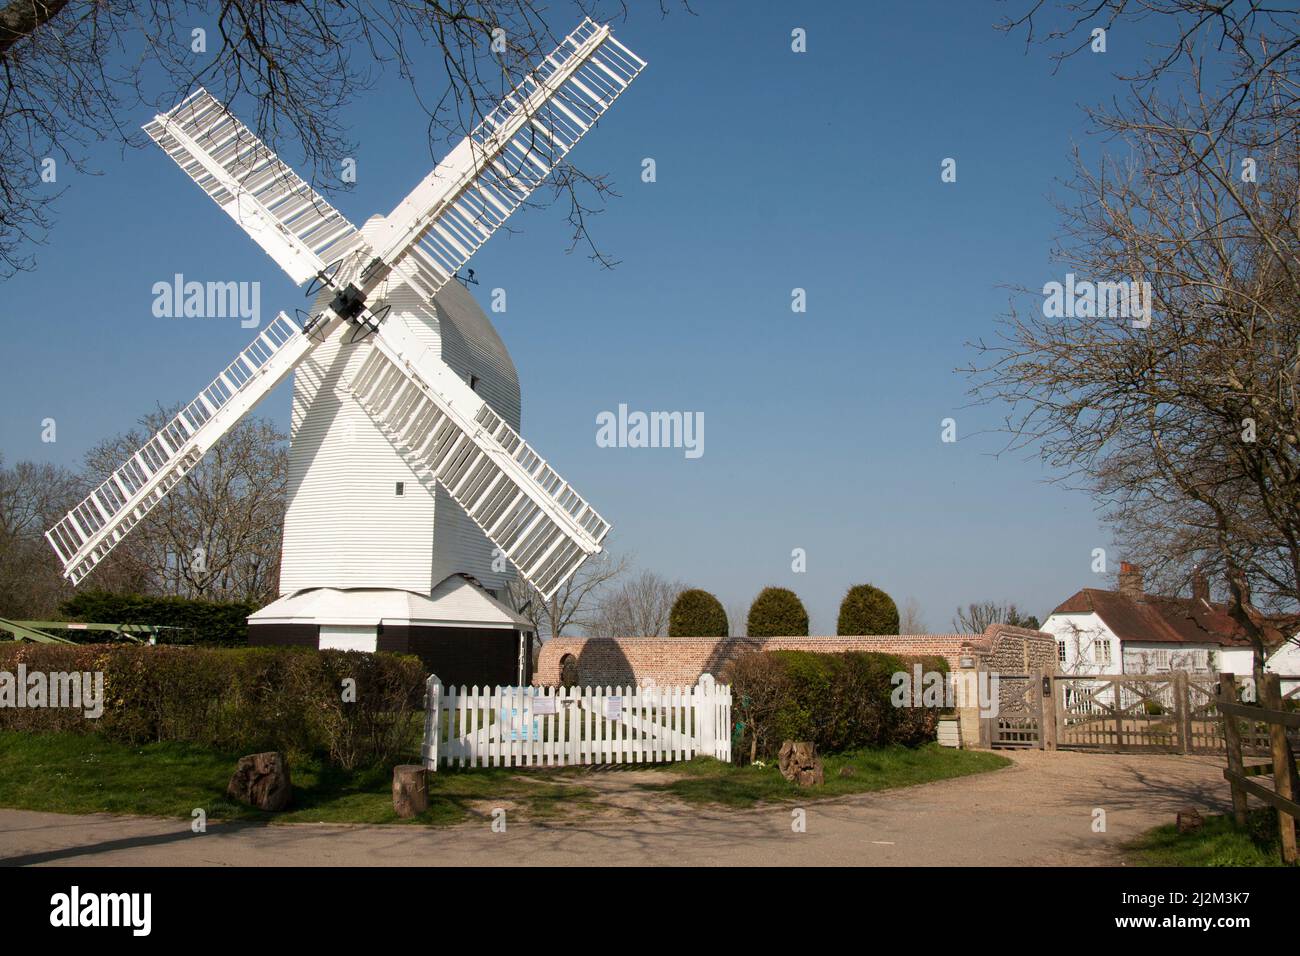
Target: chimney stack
[1200, 586]
[1130, 580]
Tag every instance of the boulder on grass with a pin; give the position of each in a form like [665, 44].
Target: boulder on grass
[1189, 820]
[410, 790]
[262, 781]
[800, 764]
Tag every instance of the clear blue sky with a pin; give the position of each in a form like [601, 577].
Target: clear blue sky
[775, 170]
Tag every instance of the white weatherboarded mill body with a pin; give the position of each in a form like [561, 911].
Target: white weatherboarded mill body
[360, 516]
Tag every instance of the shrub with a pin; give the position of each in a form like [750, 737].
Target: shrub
[777, 612]
[239, 700]
[697, 613]
[838, 701]
[867, 610]
[213, 623]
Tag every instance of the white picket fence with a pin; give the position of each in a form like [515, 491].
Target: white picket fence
[559, 727]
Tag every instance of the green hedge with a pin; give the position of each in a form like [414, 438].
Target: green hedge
[777, 612]
[244, 700]
[212, 623]
[867, 610]
[838, 701]
[697, 613]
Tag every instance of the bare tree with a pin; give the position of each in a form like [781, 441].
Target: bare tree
[216, 535]
[976, 617]
[574, 607]
[910, 618]
[75, 69]
[638, 607]
[32, 498]
[1182, 421]
[738, 619]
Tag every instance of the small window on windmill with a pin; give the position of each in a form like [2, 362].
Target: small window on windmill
[473, 382]
[400, 489]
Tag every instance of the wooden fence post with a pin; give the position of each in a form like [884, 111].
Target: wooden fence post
[1117, 698]
[1283, 766]
[432, 704]
[705, 713]
[1047, 713]
[1232, 742]
[1183, 711]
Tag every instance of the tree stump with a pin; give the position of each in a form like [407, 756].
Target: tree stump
[800, 764]
[262, 781]
[410, 790]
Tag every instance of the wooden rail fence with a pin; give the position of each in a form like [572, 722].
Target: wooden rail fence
[1286, 785]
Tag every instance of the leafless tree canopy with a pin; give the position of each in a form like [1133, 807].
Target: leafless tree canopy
[216, 535]
[32, 498]
[976, 617]
[911, 618]
[1186, 429]
[575, 606]
[74, 70]
[638, 607]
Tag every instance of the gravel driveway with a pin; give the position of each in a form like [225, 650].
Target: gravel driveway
[1038, 812]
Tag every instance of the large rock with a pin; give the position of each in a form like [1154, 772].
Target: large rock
[800, 764]
[262, 781]
[1189, 820]
[410, 789]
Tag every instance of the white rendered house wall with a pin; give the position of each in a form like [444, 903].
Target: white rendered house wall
[1090, 646]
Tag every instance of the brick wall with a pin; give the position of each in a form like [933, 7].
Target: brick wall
[674, 661]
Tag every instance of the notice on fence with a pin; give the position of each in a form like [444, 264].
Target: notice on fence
[543, 706]
[613, 708]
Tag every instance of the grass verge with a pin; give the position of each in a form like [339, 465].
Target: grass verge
[79, 773]
[1218, 843]
[708, 781]
[75, 773]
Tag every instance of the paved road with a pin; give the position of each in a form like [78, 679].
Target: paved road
[1039, 811]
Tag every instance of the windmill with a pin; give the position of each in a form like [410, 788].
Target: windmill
[409, 482]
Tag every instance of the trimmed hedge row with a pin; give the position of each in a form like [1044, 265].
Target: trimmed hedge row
[697, 613]
[239, 700]
[777, 612]
[214, 623]
[838, 701]
[867, 610]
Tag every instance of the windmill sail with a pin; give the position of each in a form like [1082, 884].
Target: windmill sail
[448, 433]
[538, 521]
[281, 213]
[90, 531]
[458, 206]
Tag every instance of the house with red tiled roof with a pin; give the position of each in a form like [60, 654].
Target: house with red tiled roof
[1128, 631]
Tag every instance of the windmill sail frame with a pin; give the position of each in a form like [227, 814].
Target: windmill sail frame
[516, 498]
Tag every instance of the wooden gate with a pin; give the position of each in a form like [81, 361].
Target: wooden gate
[558, 726]
[1019, 721]
[1137, 713]
[1114, 713]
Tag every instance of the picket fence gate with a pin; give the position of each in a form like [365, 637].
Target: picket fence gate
[568, 726]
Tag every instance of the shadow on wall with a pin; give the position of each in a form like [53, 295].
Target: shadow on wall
[598, 664]
[724, 652]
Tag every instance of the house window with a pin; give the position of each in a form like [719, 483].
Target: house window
[1103, 652]
[400, 489]
[1060, 652]
[1162, 660]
